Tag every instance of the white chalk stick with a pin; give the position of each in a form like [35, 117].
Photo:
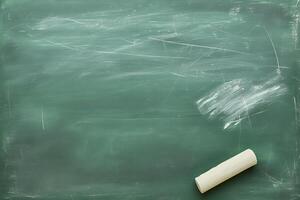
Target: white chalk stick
[226, 170]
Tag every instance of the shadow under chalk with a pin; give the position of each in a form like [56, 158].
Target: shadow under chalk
[237, 184]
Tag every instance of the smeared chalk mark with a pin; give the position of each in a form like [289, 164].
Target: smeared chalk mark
[233, 101]
[247, 112]
[196, 45]
[232, 123]
[297, 3]
[295, 29]
[275, 181]
[274, 50]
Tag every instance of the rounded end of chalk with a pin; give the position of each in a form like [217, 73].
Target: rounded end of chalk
[198, 185]
[253, 154]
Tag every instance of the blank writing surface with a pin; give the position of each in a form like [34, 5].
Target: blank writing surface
[134, 99]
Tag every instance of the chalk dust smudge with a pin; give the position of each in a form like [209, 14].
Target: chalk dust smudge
[233, 100]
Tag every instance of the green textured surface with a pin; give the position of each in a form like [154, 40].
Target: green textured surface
[98, 98]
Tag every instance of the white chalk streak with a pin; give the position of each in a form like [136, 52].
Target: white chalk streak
[233, 100]
[274, 50]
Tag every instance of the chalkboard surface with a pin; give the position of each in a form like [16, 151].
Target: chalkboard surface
[134, 99]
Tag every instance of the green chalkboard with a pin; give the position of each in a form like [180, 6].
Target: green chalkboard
[133, 99]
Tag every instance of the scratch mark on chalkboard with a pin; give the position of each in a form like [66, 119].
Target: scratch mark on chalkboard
[295, 196]
[48, 43]
[196, 45]
[58, 22]
[51, 22]
[294, 168]
[9, 102]
[119, 194]
[296, 110]
[115, 52]
[143, 16]
[131, 45]
[74, 20]
[287, 180]
[132, 74]
[22, 196]
[177, 74]
[42, 119]
[139, 55]
[274, 50]
[240, 135]
[233, 101]
[60, 44]
[21, 154]
[275, 181]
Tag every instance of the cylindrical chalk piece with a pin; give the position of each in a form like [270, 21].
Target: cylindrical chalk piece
[226, 170]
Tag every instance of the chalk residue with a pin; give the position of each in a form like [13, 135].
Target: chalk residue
[233, 100]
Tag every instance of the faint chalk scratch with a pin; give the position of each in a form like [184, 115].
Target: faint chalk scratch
[196, 45]
[296, 110]
[60, 45]
[42, 119]
[139, 55]
[9, 102]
